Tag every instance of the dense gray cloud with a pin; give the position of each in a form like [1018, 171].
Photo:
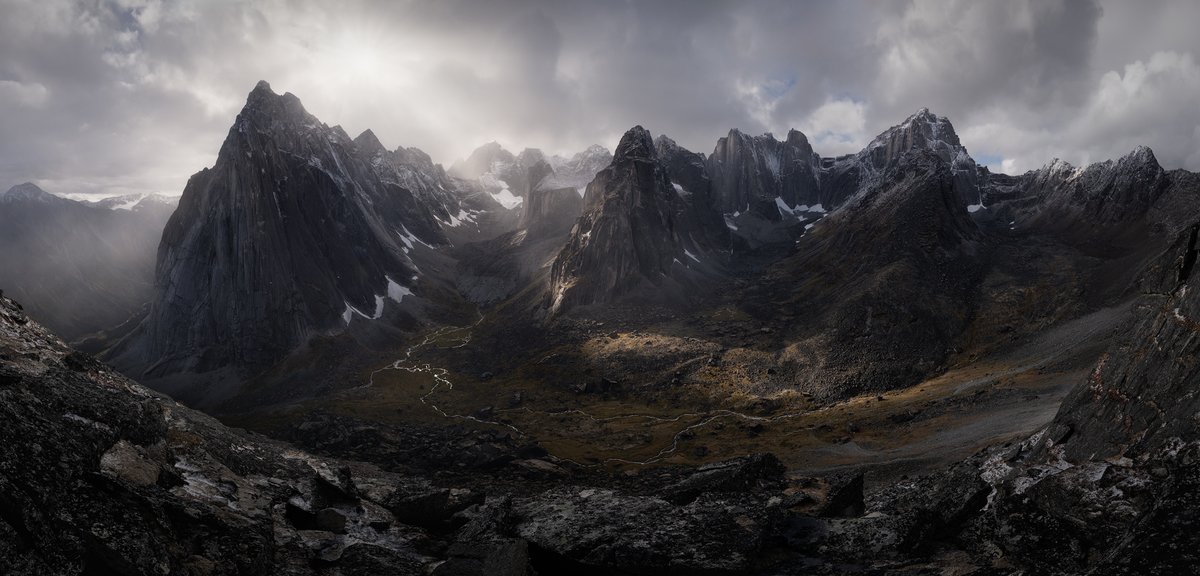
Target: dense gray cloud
[111, 96]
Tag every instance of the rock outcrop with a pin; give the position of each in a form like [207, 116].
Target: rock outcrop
[115, 479]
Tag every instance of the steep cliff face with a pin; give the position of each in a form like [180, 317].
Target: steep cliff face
[686, 169]
[634, 231]
[296, 230]
[749, 173]
[550, 211]
[1140, 394]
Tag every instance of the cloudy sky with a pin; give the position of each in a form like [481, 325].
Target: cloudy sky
[113, 96]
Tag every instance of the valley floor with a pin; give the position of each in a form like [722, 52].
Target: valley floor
[984, 401]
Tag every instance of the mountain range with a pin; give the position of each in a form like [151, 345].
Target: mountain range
[529, 363]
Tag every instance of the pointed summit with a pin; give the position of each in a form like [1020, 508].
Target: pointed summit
[923, 129]
[636, 235]
[263, 105]
[291, 233]
[369, 143]
[635, 144]
[1140, 155]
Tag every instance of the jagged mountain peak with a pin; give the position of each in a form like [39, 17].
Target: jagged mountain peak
[797, 138]
[1141, 154]
[635, 144]
[637, 234]
[295, 231]
[922, 129]
[369, 143]
[264, 104]
[663, 141]
[667, 149]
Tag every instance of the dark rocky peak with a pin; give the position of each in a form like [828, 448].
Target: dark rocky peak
[266, 108]
[686, 168]
[798, 139]
[416, 157]
[636, 144]
[296, 231]
[31, 193]
[368, 143]
[904, 253]
[636, 234]
[667, 150]
[1140, 165]
[759, 174]
[923, 130]
[1076, 200]
[663, 144]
